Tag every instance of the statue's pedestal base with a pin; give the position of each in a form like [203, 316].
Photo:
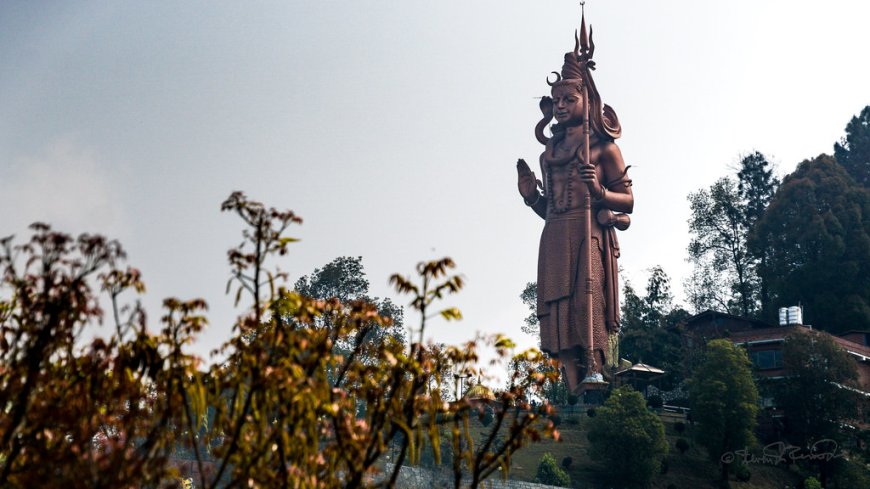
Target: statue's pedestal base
[592, 388]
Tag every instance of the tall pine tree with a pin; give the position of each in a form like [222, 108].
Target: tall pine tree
[853, 151]
[756, 185]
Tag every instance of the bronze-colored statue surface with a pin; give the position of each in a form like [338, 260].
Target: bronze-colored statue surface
[586, 193]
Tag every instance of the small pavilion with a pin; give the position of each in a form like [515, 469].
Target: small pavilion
[640, 376]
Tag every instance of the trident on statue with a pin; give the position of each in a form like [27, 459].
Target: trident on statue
[583, 49]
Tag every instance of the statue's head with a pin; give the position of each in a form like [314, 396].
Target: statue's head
[568, 86]
[567, 92]
[568, 108]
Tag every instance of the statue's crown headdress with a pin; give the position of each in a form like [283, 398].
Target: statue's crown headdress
[579, 62]
[577, 71]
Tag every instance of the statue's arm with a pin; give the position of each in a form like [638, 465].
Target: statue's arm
[617, 195]
[540, 207]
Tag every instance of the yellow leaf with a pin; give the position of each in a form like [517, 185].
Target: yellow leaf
[504, 342]
[451, 314]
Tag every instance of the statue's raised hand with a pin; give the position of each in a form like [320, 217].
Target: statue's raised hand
[526, 181]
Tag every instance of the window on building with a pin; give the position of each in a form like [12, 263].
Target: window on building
[766, 359]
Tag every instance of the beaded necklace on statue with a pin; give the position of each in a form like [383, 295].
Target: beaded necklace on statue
[560, 203]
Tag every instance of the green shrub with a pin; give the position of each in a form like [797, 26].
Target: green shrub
[680, 427]
[743, 473]
[550, 473]
[683, 445]
[812, 483]
[849, 473]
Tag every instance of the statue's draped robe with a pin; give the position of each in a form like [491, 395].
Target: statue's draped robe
[562, 271]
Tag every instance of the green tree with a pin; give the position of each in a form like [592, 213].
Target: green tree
[555, 391]
[633, 312]
[648, 327]
[529, 297]
[552, 390]
[817, 229]
[725, 275]
[551, 474]
[853, 151]
[344, 278]
[724, 401]
[756, 185]
[718, 248]
[658, 294]
[704, 289]
[815, 396]
[628, 438]
[812, 396]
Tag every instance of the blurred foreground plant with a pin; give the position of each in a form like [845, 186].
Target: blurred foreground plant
[283, 409]
[98, 415]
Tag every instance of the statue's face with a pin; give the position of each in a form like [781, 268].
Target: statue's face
[568, 105]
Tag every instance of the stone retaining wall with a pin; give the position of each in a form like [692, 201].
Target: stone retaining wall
[421, 478]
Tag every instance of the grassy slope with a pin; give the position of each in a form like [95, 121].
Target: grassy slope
[691, 470]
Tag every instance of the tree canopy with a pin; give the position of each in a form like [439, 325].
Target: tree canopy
[555, 390]
[628, 437]
[344, 278]
[529, 296]
[724, 401]
[724, 268]
[648, 332]
[815, 397]
[853, 151]
[756, 185]
[550, 473]
[817, 233]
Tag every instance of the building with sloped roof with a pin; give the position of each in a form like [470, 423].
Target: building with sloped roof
[764, 342]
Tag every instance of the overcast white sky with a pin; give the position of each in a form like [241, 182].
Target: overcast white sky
[392, 127]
